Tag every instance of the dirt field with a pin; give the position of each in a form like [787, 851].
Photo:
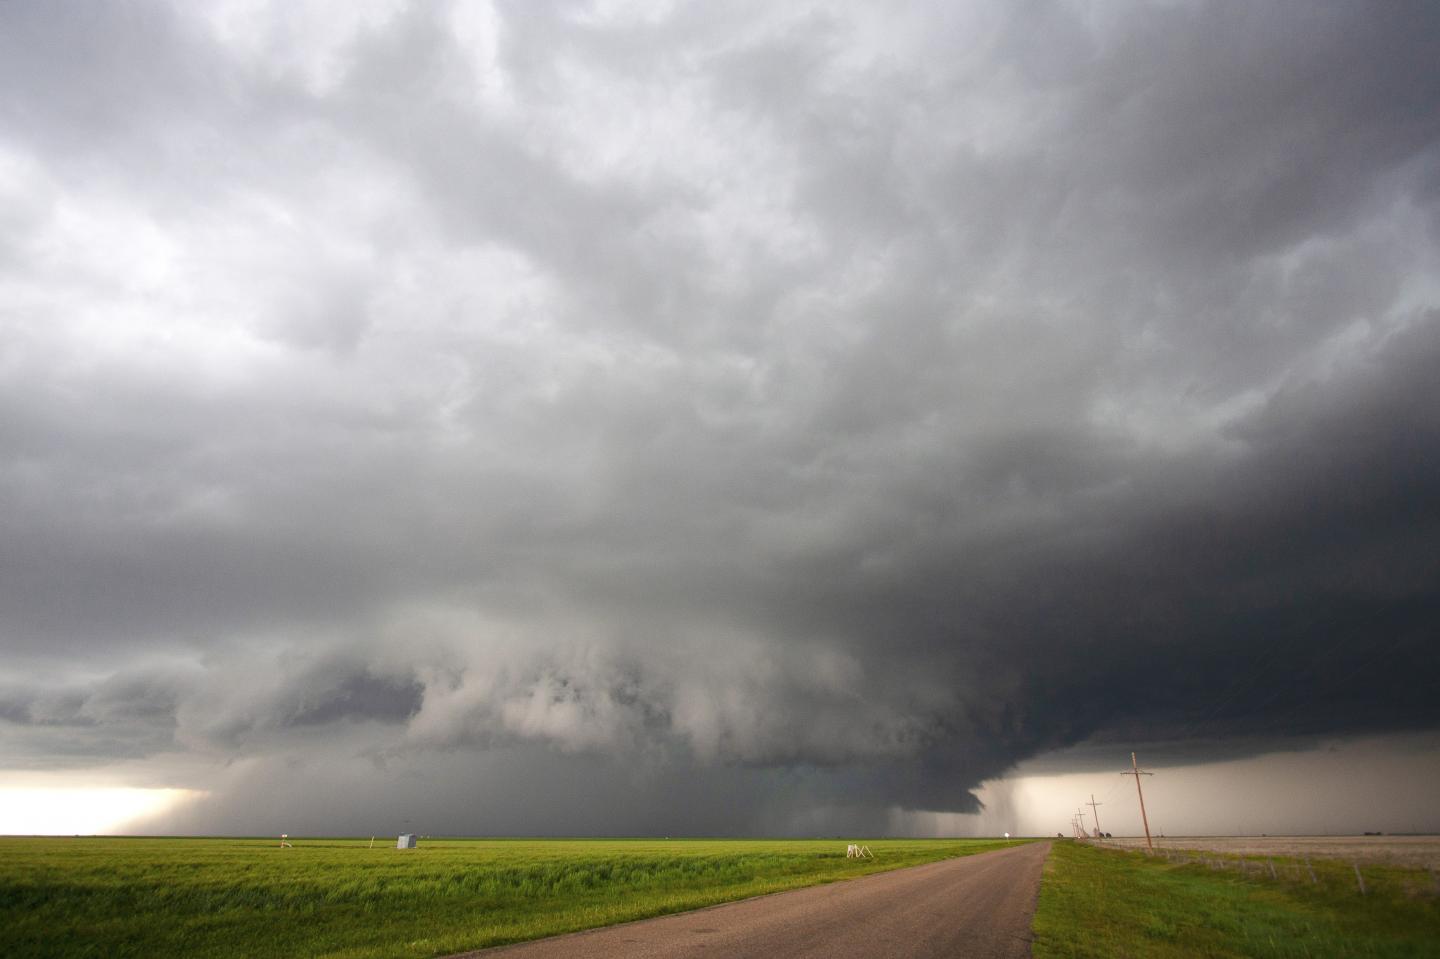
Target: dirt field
[1421, 851]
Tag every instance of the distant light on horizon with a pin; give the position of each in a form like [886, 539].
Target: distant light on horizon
[82, 811]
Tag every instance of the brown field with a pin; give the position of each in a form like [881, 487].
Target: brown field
[1415, 851]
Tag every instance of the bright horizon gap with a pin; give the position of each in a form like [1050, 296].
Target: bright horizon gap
[83, 810]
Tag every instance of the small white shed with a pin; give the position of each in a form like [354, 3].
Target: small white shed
[407, 841]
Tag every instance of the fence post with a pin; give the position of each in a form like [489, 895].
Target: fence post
[1359, 878]
[1272, 868]
[1312, 870]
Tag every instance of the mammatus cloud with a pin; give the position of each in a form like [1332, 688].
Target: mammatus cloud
[782, 415]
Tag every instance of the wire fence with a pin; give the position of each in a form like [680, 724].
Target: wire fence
[1329, 874]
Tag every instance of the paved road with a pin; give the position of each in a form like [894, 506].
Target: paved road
[976, 906]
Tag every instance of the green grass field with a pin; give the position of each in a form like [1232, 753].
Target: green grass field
[1107, 904]
[211, 898]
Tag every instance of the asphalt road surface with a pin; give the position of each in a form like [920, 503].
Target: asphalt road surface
[976, 906]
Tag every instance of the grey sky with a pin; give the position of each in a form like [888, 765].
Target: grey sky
[713, 417]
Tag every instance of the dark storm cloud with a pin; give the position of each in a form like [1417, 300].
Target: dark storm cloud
[823, 406]
[299, 696]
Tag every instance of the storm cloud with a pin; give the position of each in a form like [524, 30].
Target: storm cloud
[712, 417]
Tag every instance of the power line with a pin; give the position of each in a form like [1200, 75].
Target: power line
[1137, 772]
[1093, 805]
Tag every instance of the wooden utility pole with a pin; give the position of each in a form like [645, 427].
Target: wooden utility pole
[1137, 772]
[1092, 804]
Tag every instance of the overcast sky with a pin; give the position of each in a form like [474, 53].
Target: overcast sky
[718, 417]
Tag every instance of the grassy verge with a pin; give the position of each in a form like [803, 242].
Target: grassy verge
[220, 898]
[1111, 904]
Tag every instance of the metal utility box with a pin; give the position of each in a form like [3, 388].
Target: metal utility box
[407, 841]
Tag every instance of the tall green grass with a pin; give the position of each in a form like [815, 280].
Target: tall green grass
[213, 898]
[1108, 904]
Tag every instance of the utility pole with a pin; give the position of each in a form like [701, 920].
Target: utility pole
[1137, 772]
[1081, 817]
[1092, 804]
